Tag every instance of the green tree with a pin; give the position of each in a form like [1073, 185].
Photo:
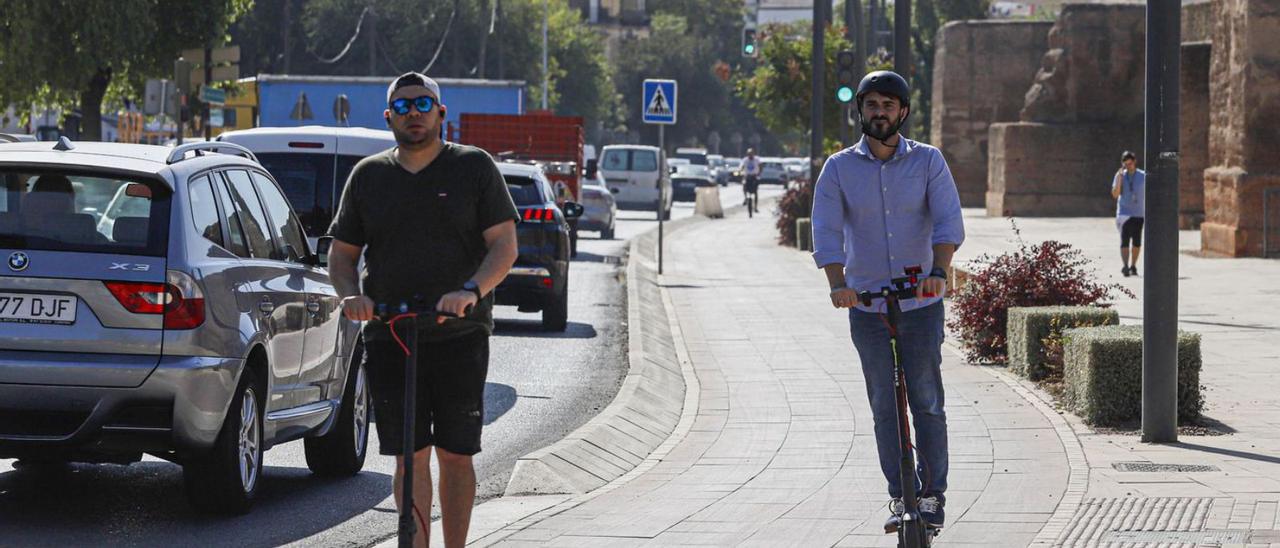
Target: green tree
[694, 42]
[779, 90]
[499, 39]
[72, 52]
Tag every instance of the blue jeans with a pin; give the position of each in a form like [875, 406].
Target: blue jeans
[920, 334]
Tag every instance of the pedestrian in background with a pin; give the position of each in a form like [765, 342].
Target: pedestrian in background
[1129, 187]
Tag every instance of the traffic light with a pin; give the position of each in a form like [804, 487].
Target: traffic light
[845, 77]
[749, 46]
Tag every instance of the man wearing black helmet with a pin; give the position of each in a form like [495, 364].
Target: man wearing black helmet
[881, 206]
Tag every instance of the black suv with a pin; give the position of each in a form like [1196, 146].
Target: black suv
[540, 278]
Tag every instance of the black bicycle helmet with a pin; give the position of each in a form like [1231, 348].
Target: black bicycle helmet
[886, 82]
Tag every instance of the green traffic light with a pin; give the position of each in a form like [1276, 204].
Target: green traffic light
[749, 48]
[844, 94]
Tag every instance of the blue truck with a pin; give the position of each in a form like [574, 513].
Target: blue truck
[289, 101]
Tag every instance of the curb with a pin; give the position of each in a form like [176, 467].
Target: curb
[1077, 462]
[641, 416]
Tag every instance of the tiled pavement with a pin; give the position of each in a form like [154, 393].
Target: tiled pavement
[780, 450]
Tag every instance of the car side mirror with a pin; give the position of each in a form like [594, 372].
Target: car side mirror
[322, 250]
[572, 210]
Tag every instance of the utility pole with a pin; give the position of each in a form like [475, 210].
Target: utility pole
[208, 81]
[288, 24]
[1160, 283]
[546, 10]
[373, 42]
[902, 38]
[818, 60]
[856, 35]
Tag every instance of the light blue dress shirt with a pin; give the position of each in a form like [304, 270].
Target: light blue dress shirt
[879, 217]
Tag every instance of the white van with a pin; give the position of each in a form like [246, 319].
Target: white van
[311, 164]
[634, 174]
[695, 155]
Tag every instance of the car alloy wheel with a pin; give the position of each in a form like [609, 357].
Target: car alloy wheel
[250, 441]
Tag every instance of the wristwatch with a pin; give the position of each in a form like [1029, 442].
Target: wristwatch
[473, 287]
[938, 272]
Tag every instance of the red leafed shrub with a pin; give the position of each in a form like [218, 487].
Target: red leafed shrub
[797, 203]
[1048, 274]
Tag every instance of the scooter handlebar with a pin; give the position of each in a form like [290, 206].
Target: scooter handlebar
[385, 312]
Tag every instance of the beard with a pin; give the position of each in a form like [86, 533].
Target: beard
[880, 128]
[406, 139]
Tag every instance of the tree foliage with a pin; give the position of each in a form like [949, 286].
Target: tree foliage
[694, 42]
[73, 52]
[779, 91]
[496, 39]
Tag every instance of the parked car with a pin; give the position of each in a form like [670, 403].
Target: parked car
[16, 138]
[600, 207]
[686, 180]
[539, 281]
[635, 174]
[719, 170]
[796, 168]
[695, 155]
[312, 164]
[200, 327]
[772, 170]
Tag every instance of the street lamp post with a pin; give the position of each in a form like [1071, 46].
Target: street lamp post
[546, 10]
[1160, 283]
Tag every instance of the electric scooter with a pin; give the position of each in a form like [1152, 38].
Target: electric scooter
[913, 532]
[409, 313]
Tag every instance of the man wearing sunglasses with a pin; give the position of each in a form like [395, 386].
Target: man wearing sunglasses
[436, 225]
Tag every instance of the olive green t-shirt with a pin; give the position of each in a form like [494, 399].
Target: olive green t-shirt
[423, 233]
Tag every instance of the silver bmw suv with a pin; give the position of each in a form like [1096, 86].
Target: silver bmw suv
[166, 301]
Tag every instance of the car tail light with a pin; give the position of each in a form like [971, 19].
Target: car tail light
[305, 144]
[548, 283]
[179, 299]
[540, 215]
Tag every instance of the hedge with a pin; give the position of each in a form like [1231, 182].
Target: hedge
[1103, 374]
[1029, 326]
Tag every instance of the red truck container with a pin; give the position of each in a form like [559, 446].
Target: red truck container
[539, 136]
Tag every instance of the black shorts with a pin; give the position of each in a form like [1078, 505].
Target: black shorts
[450, 409]
[751, 184]
[1131, 231]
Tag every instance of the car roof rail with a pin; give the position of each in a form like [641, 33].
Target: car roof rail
[179, 152]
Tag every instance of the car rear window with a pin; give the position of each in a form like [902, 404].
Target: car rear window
[524, 190]
[304, 178]
[70, 211]
[629, 160]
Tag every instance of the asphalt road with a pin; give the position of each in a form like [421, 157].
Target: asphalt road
[541, 387]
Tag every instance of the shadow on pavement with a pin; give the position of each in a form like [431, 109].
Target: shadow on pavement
[533, 328]
[145, 504]
[584, 257]
[1228, 452]
[498, 399]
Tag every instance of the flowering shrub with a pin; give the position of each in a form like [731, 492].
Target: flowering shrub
[797, 203]
[1049, 273]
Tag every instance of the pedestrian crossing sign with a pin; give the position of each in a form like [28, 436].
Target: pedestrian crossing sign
[659, 102]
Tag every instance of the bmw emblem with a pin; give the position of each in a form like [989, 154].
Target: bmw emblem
[19, 261]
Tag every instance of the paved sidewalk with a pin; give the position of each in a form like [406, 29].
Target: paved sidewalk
[781, 450]
[777, 447]
[1232, 304]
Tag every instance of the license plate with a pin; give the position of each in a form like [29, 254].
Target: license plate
[36, 308]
